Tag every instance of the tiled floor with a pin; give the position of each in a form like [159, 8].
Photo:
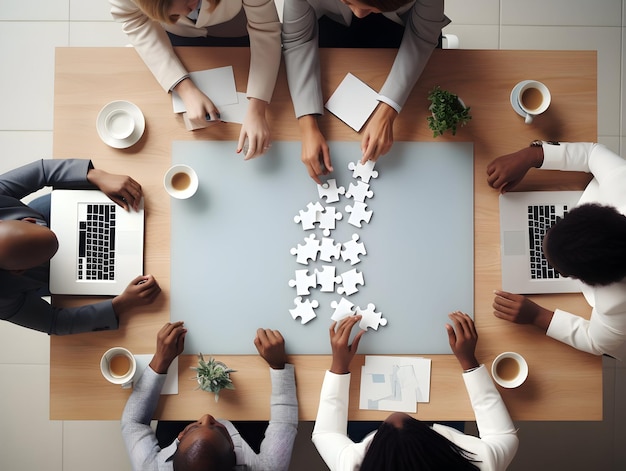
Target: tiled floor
[29, 32]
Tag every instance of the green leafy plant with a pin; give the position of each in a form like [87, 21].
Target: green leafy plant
[447, 112]
[213, 376]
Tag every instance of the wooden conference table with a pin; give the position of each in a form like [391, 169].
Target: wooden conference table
[564, 384]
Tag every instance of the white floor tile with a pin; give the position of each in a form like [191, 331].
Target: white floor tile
[19, 345]
[562, 12]
[97, 34]
[471, 37]
[90, 10]
[606, 41]
[28, 439]
[27, 51]
[476, 12]
[22, 147]
[35, 10]
[94, 446]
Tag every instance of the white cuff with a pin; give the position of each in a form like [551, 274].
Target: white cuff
[390, 102]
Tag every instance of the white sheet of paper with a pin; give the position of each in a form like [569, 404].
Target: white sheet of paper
[218, 84]
[394, 383]
[352, 102]
[235, 112]
[171, 382]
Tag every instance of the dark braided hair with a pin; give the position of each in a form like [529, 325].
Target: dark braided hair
[414, 447]
[589, 244]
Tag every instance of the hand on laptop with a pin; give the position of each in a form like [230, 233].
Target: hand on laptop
[122, 189]
[505, 172]
[142, 291]
[521, 310]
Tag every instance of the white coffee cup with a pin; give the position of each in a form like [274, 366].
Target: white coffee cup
[533, 98]
[119, 124]
[181, 181]
[509, 369]
[118, 366]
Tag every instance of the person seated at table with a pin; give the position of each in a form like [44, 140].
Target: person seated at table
[208, 23]
[588, 244]
[27, 245]
[403, 443]
[422, 22]
[211, 443]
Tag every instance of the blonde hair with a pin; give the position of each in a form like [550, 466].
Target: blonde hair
[159, 10]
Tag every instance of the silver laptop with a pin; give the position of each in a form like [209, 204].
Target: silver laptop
[524, 219]
[100, 243]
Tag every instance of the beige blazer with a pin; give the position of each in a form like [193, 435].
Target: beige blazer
[153, 45]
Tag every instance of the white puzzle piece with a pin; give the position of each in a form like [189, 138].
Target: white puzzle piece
[306, 252]
[328, 249]
[309, 217]
[304, 310]
[330, 191]
[328, 218]
[370, 318]
[352, 250]
[303, 282]
[358, 214]
[349, 280]
[326, 278]
[359, 192]
[363, 171]
[343, 308]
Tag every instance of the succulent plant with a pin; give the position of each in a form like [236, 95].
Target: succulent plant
[213, 375]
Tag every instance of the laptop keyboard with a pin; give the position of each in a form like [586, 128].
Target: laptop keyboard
[96, 242]
[540, 219]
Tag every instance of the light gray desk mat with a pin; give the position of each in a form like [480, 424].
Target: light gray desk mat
[231, 261]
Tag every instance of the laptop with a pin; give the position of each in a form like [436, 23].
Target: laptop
[100, 244]
[524, 219]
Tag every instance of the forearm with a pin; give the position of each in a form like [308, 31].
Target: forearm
[58, 173]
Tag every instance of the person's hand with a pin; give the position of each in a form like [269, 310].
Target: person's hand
[343, 351]
[170, 344]
[271, 346]
[197, 104]
[463, 338]
[315, 153]
[521, 310]
[141, 291]
[505, 172]
[378, 135]
[256, 129]
[121, 189]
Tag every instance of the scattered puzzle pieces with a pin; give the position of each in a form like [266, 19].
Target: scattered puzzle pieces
[363, 171]
[304, 310]
[328, 249]
[352, 250]
[326, 279]
[330, 191]
[309, 217]
[358, 214]
[359, 192]
[306, 252]
[343, 308]
[303, 282]
[370, 317]
[349, 280]
[328, 218]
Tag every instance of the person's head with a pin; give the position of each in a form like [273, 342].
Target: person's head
[589, 244]
[205, 445]
[403, 443]
[25, 244]
[169, 11]
[362, 8]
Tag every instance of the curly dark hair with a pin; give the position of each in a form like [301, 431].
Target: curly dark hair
[589, 244]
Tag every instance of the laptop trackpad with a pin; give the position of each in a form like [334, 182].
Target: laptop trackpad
[514, 243]
[128, 243]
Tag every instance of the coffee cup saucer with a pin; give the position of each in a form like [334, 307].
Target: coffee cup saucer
[132, 111]
[514, 93]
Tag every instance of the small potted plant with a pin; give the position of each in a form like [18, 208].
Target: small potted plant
[447, 112]
[213, 376]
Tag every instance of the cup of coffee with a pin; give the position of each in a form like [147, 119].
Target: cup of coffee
[181, 181]
[119, 124]
[533, 98]
[509, 369]
[118, 366]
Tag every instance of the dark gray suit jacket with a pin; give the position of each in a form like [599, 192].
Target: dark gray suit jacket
[20, 295]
